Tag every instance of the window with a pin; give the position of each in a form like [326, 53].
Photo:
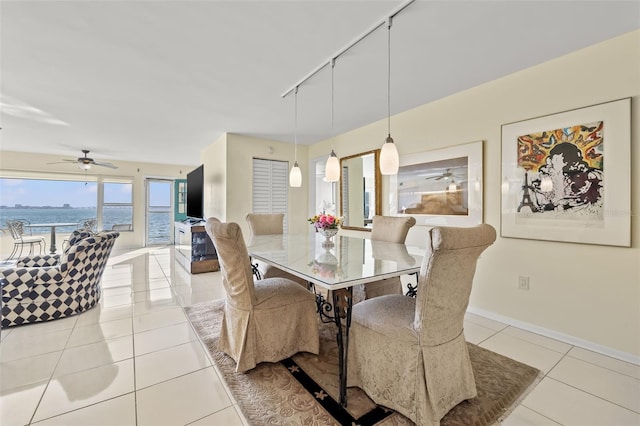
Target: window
[68, 198]
[270, 187]
[117, 205]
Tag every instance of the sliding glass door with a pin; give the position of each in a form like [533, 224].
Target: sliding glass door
[159, 211]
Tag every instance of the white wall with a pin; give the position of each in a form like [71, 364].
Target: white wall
[214, 158]
[589, 294]
[236, 180]
[36, 165]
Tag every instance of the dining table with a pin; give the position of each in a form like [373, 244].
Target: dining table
[338, 266]
[52, 227]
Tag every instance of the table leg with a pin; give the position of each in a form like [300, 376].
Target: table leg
[52, 249]
[342, 303]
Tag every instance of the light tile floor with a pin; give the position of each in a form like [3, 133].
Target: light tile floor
[135, 360]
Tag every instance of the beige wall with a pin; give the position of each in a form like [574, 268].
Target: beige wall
[214, 158]
[237, 153]
[587, 294]
[36, 166]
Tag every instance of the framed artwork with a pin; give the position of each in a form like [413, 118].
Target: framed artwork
[567, 176]
[440, 187]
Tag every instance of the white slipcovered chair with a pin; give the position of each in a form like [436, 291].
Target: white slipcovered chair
[270, 224]
[269, 321]
[410, 354]
[391, 229]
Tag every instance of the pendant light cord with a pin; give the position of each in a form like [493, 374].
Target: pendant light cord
[333, 65]
[389, 77]
[295, 126]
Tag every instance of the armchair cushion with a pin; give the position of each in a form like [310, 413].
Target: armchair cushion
[78, 235]
[39, 261]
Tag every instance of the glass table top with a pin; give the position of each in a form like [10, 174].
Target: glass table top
[351, 261]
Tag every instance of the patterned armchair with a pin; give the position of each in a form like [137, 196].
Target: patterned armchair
[43, 288]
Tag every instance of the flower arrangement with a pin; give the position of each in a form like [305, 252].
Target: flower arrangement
[325, 221]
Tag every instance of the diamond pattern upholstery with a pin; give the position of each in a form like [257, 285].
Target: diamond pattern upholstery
[43, 288]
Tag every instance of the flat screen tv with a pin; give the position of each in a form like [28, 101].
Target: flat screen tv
[195, 193]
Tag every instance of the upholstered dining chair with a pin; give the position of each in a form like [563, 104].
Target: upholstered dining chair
[269, 224]
[23, 237]
[391, 229]
[410, 354]
[267, 321]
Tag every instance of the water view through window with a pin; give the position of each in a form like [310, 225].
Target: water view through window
[50, 201]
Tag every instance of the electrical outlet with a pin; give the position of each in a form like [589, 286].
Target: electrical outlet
[523, 283]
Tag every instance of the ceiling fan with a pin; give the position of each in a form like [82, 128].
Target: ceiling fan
[85, 163]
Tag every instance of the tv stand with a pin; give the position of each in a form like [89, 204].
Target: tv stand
[194, 249]
[192, 221]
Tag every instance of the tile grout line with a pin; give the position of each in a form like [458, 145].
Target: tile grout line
[53, 372]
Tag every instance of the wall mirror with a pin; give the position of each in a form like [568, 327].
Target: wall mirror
[360, 190]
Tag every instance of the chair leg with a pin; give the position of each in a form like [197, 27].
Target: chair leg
[255, 270]
[14, 251]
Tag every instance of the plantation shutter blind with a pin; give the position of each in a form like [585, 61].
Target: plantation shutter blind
[270, 187]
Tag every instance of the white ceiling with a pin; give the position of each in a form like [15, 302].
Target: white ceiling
[158, 81]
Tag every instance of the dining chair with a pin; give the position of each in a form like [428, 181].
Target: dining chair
[269, 224]
[410, 354]
[22, 237]
[266, 321]
[391, 229]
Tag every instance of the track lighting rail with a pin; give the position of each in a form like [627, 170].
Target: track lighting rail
[386, 21]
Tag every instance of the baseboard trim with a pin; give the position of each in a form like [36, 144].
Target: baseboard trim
[572, 340]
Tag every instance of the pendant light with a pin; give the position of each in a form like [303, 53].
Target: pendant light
[295, 176]
[332, 168]
[389, 161]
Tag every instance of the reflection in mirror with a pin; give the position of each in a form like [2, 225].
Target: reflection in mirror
[360, 193]
[325, 194]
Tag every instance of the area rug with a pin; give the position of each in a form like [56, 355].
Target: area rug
[303, 390]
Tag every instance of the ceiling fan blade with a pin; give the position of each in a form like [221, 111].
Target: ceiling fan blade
[109, 165]
[64, 161]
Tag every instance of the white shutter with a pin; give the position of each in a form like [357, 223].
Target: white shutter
[270, 187]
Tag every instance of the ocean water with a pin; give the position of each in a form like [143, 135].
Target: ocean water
[159, 226]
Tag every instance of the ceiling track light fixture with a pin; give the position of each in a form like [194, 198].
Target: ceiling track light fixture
[295, 176]
[389, 160]
[389, 154]
[332, 168]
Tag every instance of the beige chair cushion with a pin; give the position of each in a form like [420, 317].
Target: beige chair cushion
[410, 354]
[391, 229]
[265, 223]
[270, 224]
[269, 321]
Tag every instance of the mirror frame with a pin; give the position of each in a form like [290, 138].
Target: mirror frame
[377, 182]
